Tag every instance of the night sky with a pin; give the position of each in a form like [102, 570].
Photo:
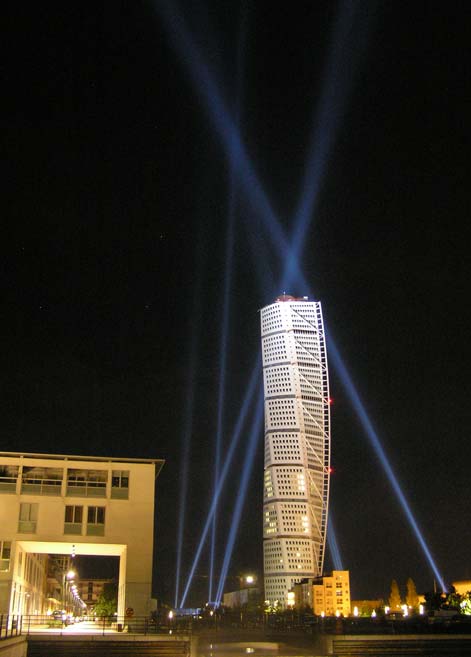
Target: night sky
[116, 202]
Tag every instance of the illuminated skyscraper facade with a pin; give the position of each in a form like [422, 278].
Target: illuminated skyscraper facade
[297, 444]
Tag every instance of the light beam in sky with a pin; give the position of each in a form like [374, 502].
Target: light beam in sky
[254, 437]
[245, 409]
[224, 126]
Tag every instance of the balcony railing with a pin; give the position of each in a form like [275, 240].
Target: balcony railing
[95, 530]
[8, 484]
[86, 489]
[73, 528]
[119, 493]
[41, 486]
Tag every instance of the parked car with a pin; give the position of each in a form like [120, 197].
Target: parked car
[60, 615]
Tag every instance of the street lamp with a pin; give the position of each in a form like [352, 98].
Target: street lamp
[67, 577]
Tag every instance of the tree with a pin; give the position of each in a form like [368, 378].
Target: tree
[465, 604]
[434, 600]
[412, 599]
[453, 599]
[394, 596]
[107, 602]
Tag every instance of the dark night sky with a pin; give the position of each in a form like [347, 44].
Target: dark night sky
[116, 205]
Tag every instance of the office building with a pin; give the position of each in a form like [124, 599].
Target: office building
[297, 444]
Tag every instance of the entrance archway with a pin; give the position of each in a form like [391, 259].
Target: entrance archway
[84, 549]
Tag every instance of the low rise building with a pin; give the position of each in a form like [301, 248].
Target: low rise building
[331, 594]
[90, 591]
[52, 504]
[241, 598]
[462, 587]
[303, 594]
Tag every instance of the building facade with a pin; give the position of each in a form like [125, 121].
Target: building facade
[74, 505]
[90, 591]
[331, 594]
[297, 444]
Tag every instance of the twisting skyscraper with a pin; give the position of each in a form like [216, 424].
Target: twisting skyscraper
[297, 443]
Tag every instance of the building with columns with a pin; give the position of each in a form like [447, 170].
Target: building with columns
[52, 504]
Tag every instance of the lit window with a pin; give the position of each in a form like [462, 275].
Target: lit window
[73, 519]
[120, 484]
[8, 478]
[5, 551]
[28, 518]
[38, 480]
[96, 521]
[86, 483]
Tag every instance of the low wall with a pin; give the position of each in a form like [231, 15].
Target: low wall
[14, 647]
[439, 645]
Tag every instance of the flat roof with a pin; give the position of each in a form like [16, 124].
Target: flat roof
[75, 457]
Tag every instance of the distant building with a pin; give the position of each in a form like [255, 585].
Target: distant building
[74, 505]
[248, 592]
[462, 587]
[332, 594]
[241, 598]
[303, 594]
[90, 590]
[59, 591]
[297, 444]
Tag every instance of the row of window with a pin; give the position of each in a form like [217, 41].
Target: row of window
[38, 480]
[73, 519]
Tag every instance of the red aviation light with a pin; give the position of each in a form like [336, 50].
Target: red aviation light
[330, 400]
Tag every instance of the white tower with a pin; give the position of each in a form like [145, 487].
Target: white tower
[297, 443]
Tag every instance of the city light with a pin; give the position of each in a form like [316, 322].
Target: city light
[372, 435]
[188, 426]
[185, 461]
[225, 127]
[245, 409]
[333, 544]
[223, 350]
[345, 56]
[241, 493]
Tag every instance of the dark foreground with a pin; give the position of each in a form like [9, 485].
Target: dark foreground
[336, 637]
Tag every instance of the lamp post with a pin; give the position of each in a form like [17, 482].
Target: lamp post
[67, 577]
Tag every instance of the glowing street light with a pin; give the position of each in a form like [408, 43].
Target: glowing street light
[291, 599]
